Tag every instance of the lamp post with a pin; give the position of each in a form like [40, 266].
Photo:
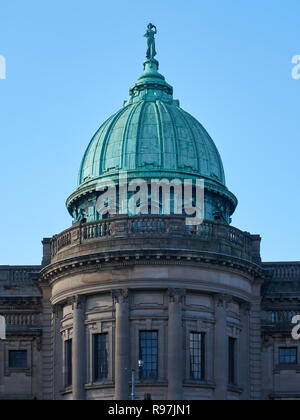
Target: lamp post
[140, 365]
[133, 384]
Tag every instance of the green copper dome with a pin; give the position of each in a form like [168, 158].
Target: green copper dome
[152, 133]
[152, 137]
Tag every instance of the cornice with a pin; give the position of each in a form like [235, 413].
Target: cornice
[125, 258]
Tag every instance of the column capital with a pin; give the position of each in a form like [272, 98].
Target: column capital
[268, 341]
[222, 300]
[245, 308]
[120, 295]
[77, 301]
[176, 295]
[56, 309]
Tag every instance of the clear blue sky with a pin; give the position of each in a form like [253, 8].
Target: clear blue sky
[70, 64]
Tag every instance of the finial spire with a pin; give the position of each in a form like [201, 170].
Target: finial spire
[151, 84]
[150, 35]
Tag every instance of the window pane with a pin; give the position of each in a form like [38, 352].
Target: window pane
[68, 363]
[288, 356]
[231, 361]
[18, 359]
[197, 355]
[100, 356]
[149, 354]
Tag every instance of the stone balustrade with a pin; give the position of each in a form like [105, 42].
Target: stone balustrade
[211, 235]
[21, 319]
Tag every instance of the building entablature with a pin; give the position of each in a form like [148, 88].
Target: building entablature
[151, 269]
[126, 258]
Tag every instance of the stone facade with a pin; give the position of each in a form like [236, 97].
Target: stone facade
[171, 281]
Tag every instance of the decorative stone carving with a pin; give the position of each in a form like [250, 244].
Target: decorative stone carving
[267, 341]
[56, 310]
[222, 300]
[176, 295]
[245, 308]
[77, 302]
[120, 295]
[38, 342]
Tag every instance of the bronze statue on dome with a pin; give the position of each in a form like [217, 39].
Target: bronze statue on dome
[150, 35]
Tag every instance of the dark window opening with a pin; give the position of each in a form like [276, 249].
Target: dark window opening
[17, 359]
[100, 356]
[232, 361]
[288, 356]
[149, 354]
[68, 363]
[197, 355]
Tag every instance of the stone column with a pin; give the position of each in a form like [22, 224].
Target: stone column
[175, 345]
[255, 341]
[244, 351]
[268, 385]
[78, 349]
[1, 366]
[221, 347]
[46, 251]
[57, 352]
[122, 344]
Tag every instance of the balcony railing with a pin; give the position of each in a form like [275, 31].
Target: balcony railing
[147, 226]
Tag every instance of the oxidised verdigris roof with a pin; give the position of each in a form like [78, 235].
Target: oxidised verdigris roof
[151, 133]
[151, 137]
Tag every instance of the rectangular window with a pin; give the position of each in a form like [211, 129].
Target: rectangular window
[288, 356]
[197, 355]
[232, 361]
[17, 359]
[100, 346]
[149, 354]
[68, 363]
